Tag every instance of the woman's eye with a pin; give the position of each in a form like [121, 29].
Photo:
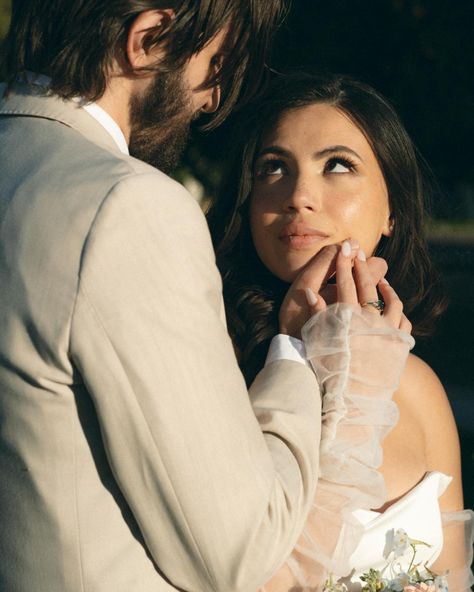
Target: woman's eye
[339, 165]
[270, 168]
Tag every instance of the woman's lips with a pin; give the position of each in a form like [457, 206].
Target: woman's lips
[298, 236]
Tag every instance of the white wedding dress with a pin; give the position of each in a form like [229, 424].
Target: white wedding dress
[358, 360]
[417, 513]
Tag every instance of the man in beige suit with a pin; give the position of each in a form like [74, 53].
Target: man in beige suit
[132, 458]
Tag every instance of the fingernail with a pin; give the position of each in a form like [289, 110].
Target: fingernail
[361, 255]
[384, 281]
[311, 297]
[354, 243]
[346, 249]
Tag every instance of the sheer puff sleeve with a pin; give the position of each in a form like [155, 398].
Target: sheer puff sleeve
[358, 360]
[456, 556]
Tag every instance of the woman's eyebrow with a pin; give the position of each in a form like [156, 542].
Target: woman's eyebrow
[274, 150]
[333, 149]
[317, 155]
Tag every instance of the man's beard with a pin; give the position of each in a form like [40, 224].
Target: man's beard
[161, 121]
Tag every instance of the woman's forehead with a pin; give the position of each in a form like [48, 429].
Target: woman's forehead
[314, 125]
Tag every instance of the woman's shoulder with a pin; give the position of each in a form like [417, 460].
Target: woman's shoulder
[420, 384]
[422, 391]
[422, 394]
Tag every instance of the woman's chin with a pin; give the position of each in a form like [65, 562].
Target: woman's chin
[286, 268]
[289, 274]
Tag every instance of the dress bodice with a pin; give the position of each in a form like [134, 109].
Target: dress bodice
[417, 512]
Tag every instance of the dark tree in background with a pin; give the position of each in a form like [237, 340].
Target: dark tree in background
[419, 53]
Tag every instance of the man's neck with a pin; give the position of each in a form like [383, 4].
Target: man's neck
[116, 99]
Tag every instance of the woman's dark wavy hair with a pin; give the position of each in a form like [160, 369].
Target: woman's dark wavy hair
[252, 294]
[75, 41]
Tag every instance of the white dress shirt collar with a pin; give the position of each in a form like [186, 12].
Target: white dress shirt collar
[99, 114]
[109, 124]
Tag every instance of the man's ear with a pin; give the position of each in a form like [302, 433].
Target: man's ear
[147, 23]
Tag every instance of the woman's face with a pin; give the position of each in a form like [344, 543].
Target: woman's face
[316, 182]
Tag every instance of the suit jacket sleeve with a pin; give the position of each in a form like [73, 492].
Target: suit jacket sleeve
[219, 482]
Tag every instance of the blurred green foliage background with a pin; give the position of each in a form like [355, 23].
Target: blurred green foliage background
[4, 16]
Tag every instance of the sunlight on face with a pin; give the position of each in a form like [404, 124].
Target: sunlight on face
[316, 182]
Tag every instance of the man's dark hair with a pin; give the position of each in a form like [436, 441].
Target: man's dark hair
[74, 42]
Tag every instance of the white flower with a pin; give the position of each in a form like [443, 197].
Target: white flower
[333, 586]
[415, 579]
[396, 542]
[399, 582]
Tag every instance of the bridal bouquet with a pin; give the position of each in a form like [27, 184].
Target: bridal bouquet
[393, 577]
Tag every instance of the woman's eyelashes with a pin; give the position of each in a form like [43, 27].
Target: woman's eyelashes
[276, 167]
[270, 167]
[339, 164]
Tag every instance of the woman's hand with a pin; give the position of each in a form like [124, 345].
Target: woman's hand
[294, 310]
[310, 292]
[356, 283]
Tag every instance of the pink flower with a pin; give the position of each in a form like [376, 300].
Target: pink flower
[422, 587]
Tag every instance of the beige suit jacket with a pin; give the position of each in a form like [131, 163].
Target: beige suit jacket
[132, 458]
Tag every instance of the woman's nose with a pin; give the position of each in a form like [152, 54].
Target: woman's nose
[303, 196]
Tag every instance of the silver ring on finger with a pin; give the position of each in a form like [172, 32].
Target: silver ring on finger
[377, 304]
